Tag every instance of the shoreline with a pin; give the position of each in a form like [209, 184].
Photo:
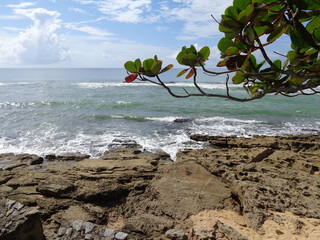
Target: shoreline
[237, 188]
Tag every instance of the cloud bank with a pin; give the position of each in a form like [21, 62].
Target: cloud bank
[38, 44]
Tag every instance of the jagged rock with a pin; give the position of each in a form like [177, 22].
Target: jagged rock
[19, 222]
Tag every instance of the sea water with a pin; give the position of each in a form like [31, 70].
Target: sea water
[54, 111]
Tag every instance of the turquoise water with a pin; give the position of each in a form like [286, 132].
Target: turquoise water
[46, 111]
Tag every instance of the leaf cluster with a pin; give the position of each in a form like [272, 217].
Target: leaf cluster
[192, 58]
[247, 21]
[150, 67]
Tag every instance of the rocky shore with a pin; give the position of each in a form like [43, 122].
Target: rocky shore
[235, 189]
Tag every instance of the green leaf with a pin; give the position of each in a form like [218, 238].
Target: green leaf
[277, 32]
[130, 67]
[316, 34]
[232, 51]
[189, 59]
[307, 4]
[296, 81]
[156, 67]
[277, 63]
[138, 64]
[167, 68]
[230, 23]
[315, 23]
[249, 33]
[204, 54]
[253, 60]
[245, 15]
[297, 40]
[147, 64]
[182, 72]
[261, 64]
[241, 4]
[231, 12]
[222, 63]
[238, 78]
[260, 30]
[224, 44]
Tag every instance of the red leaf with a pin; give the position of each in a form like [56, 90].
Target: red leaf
[131, 78]
[191, 73]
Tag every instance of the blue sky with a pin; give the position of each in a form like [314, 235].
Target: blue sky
[104, 33]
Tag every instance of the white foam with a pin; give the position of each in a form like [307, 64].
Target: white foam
[163, 119]
[123, 102]
[16, 83]
[95, 85]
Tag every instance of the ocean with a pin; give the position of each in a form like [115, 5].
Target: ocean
[54, 111]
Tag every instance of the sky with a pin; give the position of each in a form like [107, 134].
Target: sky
[104, 33]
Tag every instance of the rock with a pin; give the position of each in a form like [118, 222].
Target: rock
[124, 143]
[77, 225]
[110, 233]
[19, 222]
[188, 188]
[223, 231]
[9, 161]
[176, 234]
[57, 187]
[89, 227]
[121, 236]
[67, 157]
[181, 120]
[148, 224]
[258, 181]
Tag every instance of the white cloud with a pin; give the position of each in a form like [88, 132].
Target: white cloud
[38, 44]
[89, 30]
[78, 10]
[108, 54]
[127, 11]
[196, 16]
[10, 17]
[21, 5]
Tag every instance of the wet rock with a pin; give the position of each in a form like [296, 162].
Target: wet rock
[181, 120]
[124, 143]
[9, 161]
